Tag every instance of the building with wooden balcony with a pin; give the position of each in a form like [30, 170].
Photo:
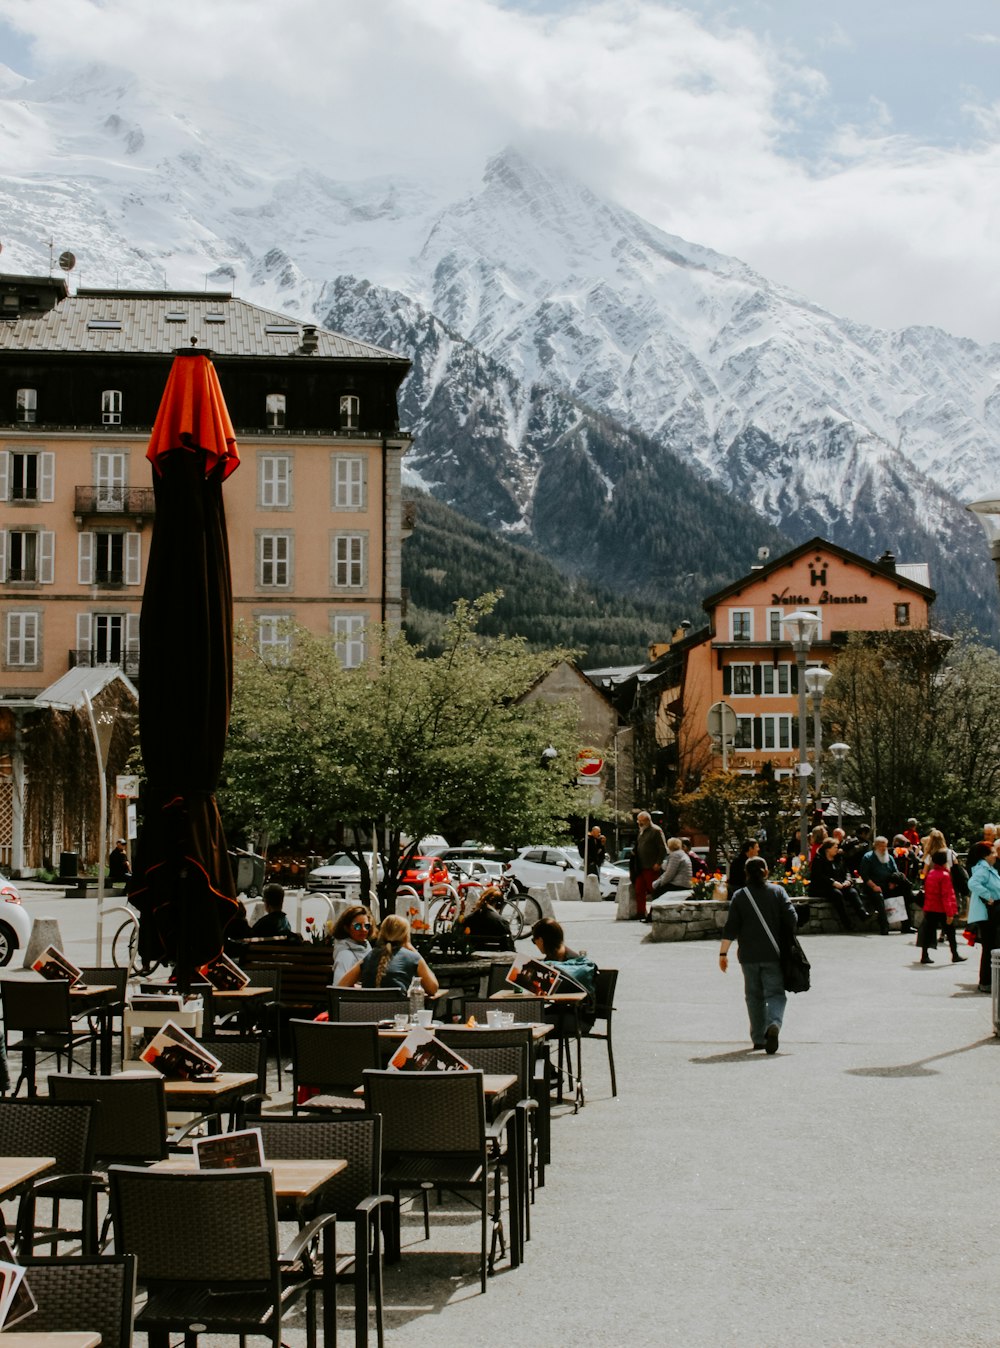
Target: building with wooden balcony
[314, 511]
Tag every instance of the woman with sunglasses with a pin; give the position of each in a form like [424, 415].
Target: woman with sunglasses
[351, 940]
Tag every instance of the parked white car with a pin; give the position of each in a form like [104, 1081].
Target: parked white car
[538, 865]
[337, 872]
[15, 922]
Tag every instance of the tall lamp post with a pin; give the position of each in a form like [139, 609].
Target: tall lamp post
[801, 627]
[840, 750]
[987, 512]
[816, 680]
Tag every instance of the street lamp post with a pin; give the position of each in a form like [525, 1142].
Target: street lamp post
[102, 724]
[816, 680]
[840, 750]
[987, 512]
[801, 627]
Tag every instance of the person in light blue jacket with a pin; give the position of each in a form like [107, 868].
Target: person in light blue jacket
[984, 906]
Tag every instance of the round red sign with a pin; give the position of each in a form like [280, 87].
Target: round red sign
[589, 763]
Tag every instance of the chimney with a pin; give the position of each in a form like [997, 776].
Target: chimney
[887, 562]
[310, 341]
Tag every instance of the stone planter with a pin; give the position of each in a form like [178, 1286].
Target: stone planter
[687, 919]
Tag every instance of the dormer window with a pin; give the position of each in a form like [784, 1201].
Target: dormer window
[274, 411]
[111, 407]
[350, 412]
[27, 405]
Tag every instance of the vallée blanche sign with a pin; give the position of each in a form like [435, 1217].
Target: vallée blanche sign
[817, 576]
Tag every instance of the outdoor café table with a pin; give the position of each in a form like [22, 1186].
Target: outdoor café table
[238, 1001]
[23, 1338]
[16, 1171]
[294, 1180]
[202, 1096]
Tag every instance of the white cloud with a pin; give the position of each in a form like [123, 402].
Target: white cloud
[687, 122]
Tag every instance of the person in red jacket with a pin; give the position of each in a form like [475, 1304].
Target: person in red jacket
[940, 908]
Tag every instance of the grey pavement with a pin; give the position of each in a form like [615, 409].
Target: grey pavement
[838, 1193]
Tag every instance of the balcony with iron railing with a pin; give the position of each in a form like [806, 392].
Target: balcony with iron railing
[126, 661]
[134, 501]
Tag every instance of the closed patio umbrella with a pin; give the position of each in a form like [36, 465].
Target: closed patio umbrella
[183, 883]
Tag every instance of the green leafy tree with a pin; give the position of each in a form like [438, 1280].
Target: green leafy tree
[411, 743]
[727, 807]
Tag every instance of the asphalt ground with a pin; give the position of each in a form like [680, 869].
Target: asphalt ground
[838, 1193]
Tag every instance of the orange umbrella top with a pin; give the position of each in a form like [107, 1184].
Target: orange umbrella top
[193, 415]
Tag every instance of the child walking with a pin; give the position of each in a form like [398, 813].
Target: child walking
[940, 908]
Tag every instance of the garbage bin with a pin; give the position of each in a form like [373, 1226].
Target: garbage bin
[995, 989]
[68, 865]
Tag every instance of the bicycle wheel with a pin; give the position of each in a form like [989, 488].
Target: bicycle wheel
[123, 946]
[511, 914]
[531, 910]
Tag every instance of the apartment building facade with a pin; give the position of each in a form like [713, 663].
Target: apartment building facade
[314, 511]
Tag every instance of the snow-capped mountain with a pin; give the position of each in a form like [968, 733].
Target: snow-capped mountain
[572, 363]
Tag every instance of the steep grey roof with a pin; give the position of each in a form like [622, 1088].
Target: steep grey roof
[155, 322]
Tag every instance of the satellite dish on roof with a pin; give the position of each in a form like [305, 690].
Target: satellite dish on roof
[67, 260]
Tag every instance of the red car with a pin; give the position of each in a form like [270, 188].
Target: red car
[419, 869]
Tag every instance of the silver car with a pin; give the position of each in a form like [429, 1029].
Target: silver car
[536, 866]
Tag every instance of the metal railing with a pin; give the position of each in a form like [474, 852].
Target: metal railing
[113, 501]
[126, 661]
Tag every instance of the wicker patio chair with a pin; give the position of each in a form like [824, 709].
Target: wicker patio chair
[40, 1011]
[355, 1195]
[207, 1248]
[435, 1136]
[369, 1004]
[331, 1057]
[239, 1053]
[604, 996]
[74, 1294]
[63, 1131]
[130, 1116]
[109, 976]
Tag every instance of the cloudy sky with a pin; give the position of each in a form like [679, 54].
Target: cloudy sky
[849, 149]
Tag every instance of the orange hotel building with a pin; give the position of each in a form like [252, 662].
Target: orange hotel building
[745, 656]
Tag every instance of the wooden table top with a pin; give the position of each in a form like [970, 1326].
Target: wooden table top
[505, 995]
[292, 1179]
[494, 1083]
[225, 1081]
[246, 994]
[17, 1170]
[24, 1338]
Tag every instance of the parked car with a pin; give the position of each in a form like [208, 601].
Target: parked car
[15, 923]
[418, 869]
[337, 872]
[538, 865]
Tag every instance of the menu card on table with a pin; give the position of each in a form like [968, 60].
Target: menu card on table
[16, 1300]
[53, 964]
[422, 1051]
[178, 1056]
[224, 975]
[230, 1151]
[539, 978]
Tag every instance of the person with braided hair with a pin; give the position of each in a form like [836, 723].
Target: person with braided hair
[392, 961]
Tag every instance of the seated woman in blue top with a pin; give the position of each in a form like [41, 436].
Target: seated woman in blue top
[984, 906]
[392, 961]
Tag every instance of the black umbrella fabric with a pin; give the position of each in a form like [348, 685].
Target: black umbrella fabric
[183, 882]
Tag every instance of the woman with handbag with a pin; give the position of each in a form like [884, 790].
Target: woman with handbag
[762, 921]
[984, 906]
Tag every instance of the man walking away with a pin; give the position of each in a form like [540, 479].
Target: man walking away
[647, 856]
[752, 928]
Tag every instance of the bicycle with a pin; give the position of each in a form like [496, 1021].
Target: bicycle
[125, 942]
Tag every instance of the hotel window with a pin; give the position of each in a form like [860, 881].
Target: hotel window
[741, 624]
[741, 680]
[348, 482]
[274, 411]
[350, 412]
[774, 628]
[274, 638]
[744, 733]
[27, 555]
[21, 640]
[111, 407]
[275, 482]
[348, 561]
[109, 477]
[776, 732]
[776, 680]
[108, 639]
[27, 405]
[902, 615]
[274, 561]
[349, 639]
[27, 475]
[109, 557]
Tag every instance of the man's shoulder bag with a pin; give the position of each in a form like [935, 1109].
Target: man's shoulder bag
[795, 968]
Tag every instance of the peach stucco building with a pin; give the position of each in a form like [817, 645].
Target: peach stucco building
[744, 656]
